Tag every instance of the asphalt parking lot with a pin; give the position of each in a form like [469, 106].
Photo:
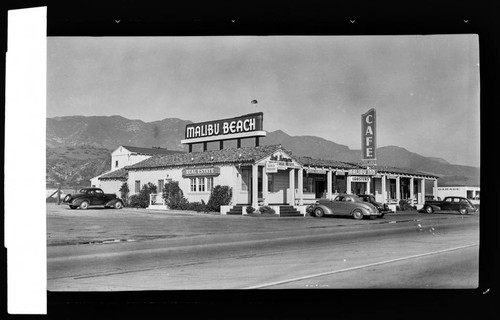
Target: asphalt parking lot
[100, 226]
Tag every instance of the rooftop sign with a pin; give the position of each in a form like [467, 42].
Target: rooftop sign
[250, 125]
[368, 135]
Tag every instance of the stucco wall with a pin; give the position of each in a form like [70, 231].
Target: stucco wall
[125, 158]
[227, 176]
[111, 186]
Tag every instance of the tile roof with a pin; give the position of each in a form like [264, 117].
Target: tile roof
[120, 174]
[308, 161]
[151, 151]
[230, 155]
[248, 154]
[396, 170]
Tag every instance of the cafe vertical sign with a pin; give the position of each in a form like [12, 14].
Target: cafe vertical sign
[369, 136]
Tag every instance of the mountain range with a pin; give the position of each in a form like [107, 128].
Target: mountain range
[79, 147]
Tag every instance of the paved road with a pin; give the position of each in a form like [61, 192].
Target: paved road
[397, 252]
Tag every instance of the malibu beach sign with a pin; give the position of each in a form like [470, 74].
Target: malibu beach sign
[250, 125]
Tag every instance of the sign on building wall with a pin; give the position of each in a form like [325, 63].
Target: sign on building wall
[239, 127]
[200, 172]
[278, 165]
[369, 135]
[360, 179]
[316, 171]
[271, 167]
[362, 172]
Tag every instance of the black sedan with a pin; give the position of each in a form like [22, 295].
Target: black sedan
[87, 197]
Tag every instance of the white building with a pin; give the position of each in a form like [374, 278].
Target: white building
[270, 175]
[122, 157]
[471, 193]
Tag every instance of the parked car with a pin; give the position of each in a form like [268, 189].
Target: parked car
[381, 207]
[345, 204]
[87, 197]
[460, 204]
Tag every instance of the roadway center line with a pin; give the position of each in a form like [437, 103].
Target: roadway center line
[357, 267]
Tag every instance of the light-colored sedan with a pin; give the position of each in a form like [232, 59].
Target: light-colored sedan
[345, 204]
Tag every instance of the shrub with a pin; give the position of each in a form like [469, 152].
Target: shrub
[220, 196]
[124, 191]
[142, 198]
[135, 201]
[174, 197]
[267, 209]
[196, 206]
[404, 205]
[250, 209]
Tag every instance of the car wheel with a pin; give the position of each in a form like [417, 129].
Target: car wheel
[84, 205]
[429, 209]
[462, 211]
[318, 212]
[118, 205]
[357, 214]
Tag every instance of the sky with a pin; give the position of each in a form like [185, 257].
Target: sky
[424, 88]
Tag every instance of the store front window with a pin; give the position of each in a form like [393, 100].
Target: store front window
[339, 184]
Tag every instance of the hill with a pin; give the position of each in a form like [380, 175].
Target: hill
[78, 148]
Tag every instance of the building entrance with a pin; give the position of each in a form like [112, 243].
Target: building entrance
[320, 188]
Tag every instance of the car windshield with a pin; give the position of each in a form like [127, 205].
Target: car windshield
[83, 190]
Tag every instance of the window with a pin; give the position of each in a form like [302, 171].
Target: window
[116, 163]
[210, 184]
[160, 186]
[99, 192]
[137, 186]
[192, 183]
[201, 184]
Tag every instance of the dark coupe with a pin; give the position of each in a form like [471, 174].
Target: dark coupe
[87, 197]
[345, 204]
[383, 208]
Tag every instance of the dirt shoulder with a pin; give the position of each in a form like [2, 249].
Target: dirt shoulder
[98, 225]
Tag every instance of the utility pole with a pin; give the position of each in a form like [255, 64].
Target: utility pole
[58, 193]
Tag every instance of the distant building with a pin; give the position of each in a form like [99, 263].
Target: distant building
[471, 193]
[122, 157]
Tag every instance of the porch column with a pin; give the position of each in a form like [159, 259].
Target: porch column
[398, 189]
[434, 190]
[422, 189]
[291, 179]
[265, 191]
[301, 186]
[384, 192]
[412, 191]
[368, 186]
[255, 182]
[329, 184]
[348, 186]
